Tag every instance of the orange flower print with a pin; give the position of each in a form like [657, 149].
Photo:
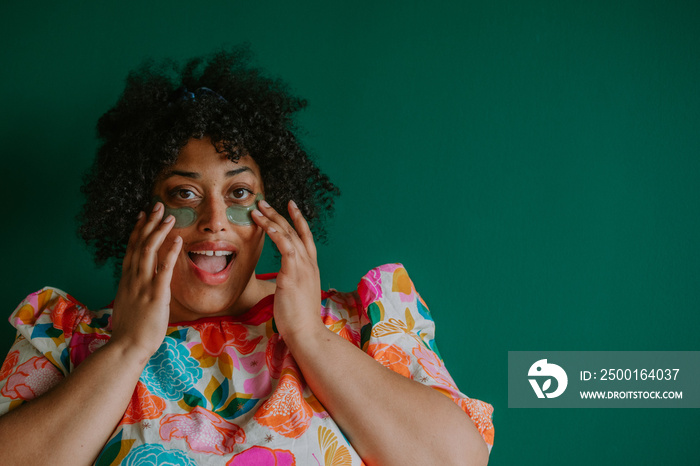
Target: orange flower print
[143, 405]
[216, 336]
[341, 327]
[203, 430]
[31, 379]
[403, 285]
[9, 364]
[263, 456]
[65, 315]
[334, 452]
[286, 411]
[480, 413]
[392, 357]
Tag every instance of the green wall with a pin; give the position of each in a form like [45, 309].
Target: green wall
[533, 164]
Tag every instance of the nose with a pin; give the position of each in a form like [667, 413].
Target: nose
[212, 215]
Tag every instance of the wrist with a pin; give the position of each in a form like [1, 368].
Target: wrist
[307, 337]
[129, 352]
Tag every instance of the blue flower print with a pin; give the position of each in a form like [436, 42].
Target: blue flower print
[171, 371]
[151, 454]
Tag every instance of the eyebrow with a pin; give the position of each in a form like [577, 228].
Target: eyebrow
[196, 176]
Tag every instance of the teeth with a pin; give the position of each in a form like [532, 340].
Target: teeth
[213, 253]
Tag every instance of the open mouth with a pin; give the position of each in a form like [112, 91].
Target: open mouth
[212, 262]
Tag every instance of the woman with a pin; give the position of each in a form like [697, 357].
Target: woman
[198, 360]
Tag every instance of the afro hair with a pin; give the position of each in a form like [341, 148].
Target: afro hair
[163, 106]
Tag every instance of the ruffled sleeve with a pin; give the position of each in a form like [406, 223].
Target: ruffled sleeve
[398, 331]
[54, 334]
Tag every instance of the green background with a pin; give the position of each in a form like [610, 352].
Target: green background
[533, 164]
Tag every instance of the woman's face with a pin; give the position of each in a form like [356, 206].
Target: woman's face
[214, 273]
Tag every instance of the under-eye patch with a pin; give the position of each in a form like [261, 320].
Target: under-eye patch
[186, 216]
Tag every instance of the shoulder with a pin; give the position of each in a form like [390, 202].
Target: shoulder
[385, 285]
[386, 282]
[384, 294]
[50, 318]
[51, 305]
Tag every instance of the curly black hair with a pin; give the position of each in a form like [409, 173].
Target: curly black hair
[163, 106]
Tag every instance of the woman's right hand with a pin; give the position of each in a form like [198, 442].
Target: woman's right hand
[142, 304]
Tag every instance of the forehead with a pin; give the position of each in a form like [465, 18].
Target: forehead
[200, 157]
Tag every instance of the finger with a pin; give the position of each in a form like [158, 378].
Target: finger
[151, 245]
[288, 244]
[141, 231]
[154, 220]
[281, 224]
[166, 267]
[133, 238]
[282, 240]
[302, 228]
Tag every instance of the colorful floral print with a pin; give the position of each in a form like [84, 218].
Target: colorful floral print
[143, 406]
[228, 391]
[9, 364]
[203, 431]
[31, 379]
[216, 336]
[171, 371]
[262, 456]
[334, 453]
[286, 411]
[391, 356]
[155, 455]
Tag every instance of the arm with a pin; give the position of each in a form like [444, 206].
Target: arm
[382, 413]
[71, 423]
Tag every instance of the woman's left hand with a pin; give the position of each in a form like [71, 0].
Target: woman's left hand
[298, 295]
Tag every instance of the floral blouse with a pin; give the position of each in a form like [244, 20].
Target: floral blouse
[226, 390]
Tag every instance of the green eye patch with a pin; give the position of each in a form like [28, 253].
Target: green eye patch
[186, 216]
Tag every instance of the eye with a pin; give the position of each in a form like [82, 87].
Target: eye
[182, 194]
[241, 194]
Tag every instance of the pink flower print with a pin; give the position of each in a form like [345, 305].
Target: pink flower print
[83, 345]
[436, 369]
[370, 287]
[253, 363]
[389, 267]
[259, 386]
[31, 379]
[263, 456]
[203, 431]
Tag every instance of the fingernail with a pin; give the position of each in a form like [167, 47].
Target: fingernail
[156, 207]
[178, 239]
[169, 219]
[264, 203]
[140, 216]
[258, 213]
[294, 204]
[272, 230]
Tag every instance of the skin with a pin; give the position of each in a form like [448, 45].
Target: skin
[382, 413]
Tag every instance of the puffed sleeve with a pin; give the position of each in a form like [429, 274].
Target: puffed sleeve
[54, 334]
[398, 331]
